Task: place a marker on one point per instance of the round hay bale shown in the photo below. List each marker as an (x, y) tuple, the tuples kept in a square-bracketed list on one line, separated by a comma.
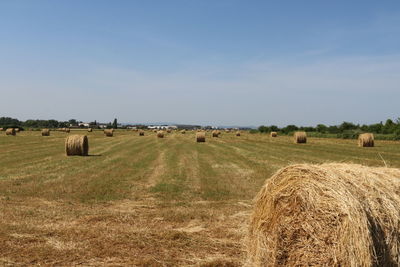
[(200, 137), (168, 130), (300, 137), (274, 134), (237, 133), (1, 129), (17, 130), (90, 130), (155, 131), (327, 215), (160, 134), (67, 130), (45, 132), (141, 133), (109, 132), (366, 140), (215, 134), (183, 131), (10, 131), (77, 145)]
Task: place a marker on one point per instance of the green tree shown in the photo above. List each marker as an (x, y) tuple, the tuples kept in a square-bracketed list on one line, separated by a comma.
[(115, 124)]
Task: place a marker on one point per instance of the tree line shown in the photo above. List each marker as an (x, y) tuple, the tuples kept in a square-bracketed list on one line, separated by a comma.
[(7, 122), (344, 130)]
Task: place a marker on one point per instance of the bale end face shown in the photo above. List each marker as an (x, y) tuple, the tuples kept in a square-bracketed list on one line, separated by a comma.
[(77, 145), (215, 134), (160, 134), (109, 132), (200, 137), (237, 133), (274, 134), (10, 131), (141, 133)]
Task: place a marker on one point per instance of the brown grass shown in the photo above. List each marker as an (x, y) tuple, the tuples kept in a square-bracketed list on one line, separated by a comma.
[(77, 145), (327, 215), (366, 140), (300, 137)]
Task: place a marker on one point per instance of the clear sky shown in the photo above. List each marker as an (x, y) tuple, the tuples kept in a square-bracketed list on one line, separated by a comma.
[(218, 62)]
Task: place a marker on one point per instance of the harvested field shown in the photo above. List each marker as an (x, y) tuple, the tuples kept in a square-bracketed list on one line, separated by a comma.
[(138, 200)]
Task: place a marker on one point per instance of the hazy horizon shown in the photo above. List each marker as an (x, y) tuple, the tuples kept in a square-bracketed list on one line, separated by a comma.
[(201, 62)]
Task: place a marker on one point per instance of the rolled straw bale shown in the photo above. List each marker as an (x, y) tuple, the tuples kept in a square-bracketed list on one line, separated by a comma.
[(168, 130), (200, 137), (141, 133), (300, 137), (160, 134), (90, 130), (183, 131), (274, 134), (1, 129), (109, 132), (215, 134), (67, 130), (237, 133), (327, 215), (366, 140), (45, 132), (77, 145), (10, 131), (17, 130), (155, 131)]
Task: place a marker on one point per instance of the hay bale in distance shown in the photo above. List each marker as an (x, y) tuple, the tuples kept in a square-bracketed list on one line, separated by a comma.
[(109, 132), (45, 132), (77, 145), (168, 130), (90, 130), (17, 130), (300, 137), (10, 131), (1, 129), (366, 140), (215, 133), (237, 133), (200, 137), (327, 215), (183, 131), (67, 130), (160, 134), (141, 133), (274, 134)]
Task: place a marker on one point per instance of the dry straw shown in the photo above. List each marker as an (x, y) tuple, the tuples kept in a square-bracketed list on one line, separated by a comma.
[(45, 132), (160, 134), (16, 130), (67, 130), (183, 132), (366, 140), (77, 145), (300, 137), (141, 133), (237, 133), (274, 134), (200, 137), (10, 131), (90, 130), (168, 130), (215, 133), (109, 132), (327, 215), (1, 129)]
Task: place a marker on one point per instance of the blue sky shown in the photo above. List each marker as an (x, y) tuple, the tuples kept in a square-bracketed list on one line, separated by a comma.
[(196, 61)]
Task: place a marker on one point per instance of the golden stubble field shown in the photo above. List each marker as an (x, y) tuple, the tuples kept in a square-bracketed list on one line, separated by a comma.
[(144, 201)]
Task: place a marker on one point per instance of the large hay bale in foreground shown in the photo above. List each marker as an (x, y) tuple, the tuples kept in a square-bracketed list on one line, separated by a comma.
[(141, 133), (45, 132), (109, 132), (77, 145), (327, 215), (160, 134), (10, 131), (366, 140), (274, 134), (300, 137), (200, 137)]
